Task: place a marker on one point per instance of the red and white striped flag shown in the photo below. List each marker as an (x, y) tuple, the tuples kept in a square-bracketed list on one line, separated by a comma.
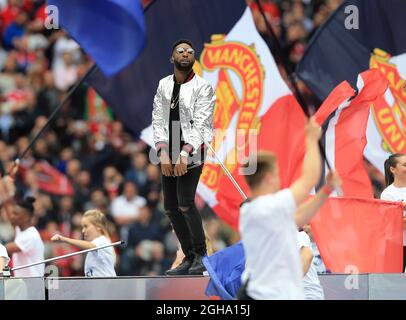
[(344, 120)]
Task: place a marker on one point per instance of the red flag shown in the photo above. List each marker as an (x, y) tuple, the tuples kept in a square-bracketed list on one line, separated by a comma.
[(51, 180), (345, 136), (282, 131), (360, 235), (344, 120)]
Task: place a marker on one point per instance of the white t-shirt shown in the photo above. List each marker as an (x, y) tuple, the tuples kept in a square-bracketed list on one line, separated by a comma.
[(393, 193), (4, 255), (269, 237), (312, 287), (32, 250), (100, 263), (121, 207)]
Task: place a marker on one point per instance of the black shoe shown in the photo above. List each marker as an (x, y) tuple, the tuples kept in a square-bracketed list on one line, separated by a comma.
[(197, 267), (182, 269)]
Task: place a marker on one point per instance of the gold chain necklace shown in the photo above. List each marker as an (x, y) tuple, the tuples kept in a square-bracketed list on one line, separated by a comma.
[(175, 101)]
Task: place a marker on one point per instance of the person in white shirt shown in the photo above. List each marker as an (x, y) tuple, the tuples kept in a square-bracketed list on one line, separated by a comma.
[(312, 287), (268, 223), (234, 259), (125, 208), (395, 179), (4, 259), (98, 263), (27, 246)]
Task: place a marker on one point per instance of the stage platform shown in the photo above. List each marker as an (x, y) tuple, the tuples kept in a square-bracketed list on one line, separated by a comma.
[(336, 287)]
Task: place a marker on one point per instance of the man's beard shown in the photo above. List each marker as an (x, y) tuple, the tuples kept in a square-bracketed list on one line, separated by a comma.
[(184, 68)]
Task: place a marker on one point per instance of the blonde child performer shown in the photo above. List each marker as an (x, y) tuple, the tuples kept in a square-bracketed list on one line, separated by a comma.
[(98, 263)]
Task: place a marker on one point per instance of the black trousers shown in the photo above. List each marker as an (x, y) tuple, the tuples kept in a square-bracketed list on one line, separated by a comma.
[(179, 192)]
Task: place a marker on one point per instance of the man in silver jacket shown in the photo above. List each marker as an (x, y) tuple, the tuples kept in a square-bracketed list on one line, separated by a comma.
[(182, 120)]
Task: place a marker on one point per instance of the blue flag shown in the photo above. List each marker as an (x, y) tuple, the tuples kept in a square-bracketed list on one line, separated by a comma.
[(112, 32), (342, 47), (225, 268), (130, 93)]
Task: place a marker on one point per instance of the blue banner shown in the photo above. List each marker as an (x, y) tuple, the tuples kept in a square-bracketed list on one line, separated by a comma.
[(112, 32), (225, 268)]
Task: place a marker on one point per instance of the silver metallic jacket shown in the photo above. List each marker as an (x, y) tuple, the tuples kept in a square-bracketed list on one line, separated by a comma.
[(196, 102)]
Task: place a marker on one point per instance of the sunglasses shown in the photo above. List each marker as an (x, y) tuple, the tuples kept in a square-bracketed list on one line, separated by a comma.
[(181, 50)]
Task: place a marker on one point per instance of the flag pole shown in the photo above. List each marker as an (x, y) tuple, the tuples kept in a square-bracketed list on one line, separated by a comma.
[(291, 77), (227, 172), (68, 255), (56, 110)]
